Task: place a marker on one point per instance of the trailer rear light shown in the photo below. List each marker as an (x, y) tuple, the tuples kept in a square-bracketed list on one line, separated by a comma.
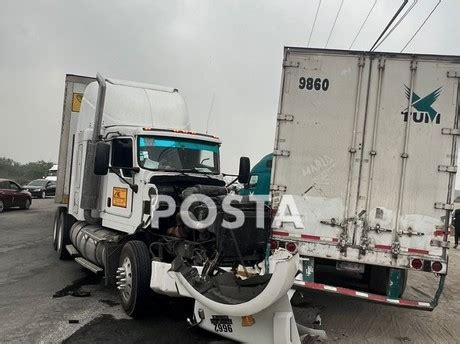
[(416, 264), (291, 247), (274, 244), (436, 266)]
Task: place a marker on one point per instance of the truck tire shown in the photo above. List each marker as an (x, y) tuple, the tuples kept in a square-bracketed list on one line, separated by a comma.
[(378, 280), (63, 238), (133, 278), (57, 215), (403, 282)]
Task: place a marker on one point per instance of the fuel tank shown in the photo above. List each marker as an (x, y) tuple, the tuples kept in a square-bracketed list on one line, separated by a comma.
[(91, 241)]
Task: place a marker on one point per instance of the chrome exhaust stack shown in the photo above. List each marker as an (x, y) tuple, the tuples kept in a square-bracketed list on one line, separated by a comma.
[(91, 182)]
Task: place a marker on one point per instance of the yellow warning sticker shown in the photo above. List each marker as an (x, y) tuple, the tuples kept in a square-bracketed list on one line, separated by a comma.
[(76, 102), (120, 197)]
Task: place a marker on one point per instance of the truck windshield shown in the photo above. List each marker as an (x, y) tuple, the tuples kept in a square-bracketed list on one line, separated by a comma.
[(177, 154)]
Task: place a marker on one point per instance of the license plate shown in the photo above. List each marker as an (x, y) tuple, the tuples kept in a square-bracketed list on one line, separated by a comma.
[(222, 323), (347, 266)]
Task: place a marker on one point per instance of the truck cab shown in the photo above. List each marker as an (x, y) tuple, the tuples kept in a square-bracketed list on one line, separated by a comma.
[(128, 154), (259, 181), (139, 157), (147, 131)]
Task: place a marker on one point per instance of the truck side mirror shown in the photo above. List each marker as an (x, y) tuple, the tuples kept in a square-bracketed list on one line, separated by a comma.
[(101, 161), (245, 170)]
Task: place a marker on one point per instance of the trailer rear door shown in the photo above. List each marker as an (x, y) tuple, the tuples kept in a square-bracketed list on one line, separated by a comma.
[(366, 174)]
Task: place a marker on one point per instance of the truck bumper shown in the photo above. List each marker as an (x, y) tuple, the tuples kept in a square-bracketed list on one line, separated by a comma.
[(266, 318)]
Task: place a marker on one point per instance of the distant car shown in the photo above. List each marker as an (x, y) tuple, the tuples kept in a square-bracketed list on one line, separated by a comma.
[(12, 195), (41, 188)]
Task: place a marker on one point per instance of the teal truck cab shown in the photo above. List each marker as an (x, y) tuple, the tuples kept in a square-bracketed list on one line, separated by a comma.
[(259, 182)]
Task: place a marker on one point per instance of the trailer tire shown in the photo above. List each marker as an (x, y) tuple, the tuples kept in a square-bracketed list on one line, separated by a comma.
[(65, 222), (134, 291), (379, 279), (403, 282)]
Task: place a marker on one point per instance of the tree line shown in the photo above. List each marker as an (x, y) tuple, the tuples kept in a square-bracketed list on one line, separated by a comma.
[(23, 173)]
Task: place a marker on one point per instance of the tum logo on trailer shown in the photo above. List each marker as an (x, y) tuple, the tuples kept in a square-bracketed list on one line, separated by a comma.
[(425, 112)]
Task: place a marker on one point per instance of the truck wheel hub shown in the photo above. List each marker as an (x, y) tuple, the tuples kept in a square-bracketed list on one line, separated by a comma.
[(125, 279)]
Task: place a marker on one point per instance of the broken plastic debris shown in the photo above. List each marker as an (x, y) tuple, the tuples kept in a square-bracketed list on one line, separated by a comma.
[(307, 333), (317, 320)]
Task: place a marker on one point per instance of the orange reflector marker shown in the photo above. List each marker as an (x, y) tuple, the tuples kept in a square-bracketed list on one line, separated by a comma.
[(248, 320), (184, 131)]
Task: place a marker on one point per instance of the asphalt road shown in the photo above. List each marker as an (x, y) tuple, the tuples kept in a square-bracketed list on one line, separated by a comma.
[(36, 294), (39, 295)]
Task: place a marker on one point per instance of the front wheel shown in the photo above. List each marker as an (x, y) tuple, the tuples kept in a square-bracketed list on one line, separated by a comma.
[(2, 206), (133, 278), (43, 195)]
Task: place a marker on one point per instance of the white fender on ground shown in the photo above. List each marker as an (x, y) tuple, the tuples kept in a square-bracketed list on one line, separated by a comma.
[(284, 271)]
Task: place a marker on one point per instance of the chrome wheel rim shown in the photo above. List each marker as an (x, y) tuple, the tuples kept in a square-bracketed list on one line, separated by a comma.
[(1, 206), (27, 204), (43, 194), (125, 279)]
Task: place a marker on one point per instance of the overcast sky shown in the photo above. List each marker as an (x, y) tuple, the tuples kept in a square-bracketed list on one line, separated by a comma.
[(231, 49)]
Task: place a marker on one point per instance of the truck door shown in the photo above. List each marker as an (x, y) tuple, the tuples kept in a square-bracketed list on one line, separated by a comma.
[(365, 144), (118, 193), (318, 140), (408, 163)]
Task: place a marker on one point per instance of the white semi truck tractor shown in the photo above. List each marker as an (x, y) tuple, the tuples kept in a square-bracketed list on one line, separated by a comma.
[(128, 163)]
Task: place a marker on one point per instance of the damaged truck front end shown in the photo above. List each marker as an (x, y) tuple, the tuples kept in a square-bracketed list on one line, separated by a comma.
[(143, 202)]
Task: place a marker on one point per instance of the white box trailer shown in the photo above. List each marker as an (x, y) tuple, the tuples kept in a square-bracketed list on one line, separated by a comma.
[(365, 154), (75, 86)]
